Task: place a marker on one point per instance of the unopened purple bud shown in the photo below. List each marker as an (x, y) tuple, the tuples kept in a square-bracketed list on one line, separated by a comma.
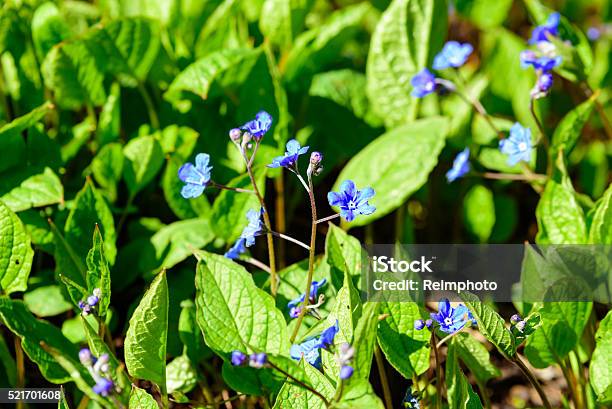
[(316, 158), (92, 300), (85, 356), (593, 33), (294, 312), (103, 387), (521, 325), (419, 325), (104, 358), (315, 167), (238, 358), (258, 360), (82, 305), (346, 372), (235, 134), (515, 319), (97, 292), (428, 323)]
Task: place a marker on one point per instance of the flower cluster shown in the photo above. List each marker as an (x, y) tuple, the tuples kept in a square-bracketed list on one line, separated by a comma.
[(518, 323), (256, 360), (310, 349), (545, 58), (518, 145), (289, 160), (247, 238), (99, 370), (293, 305), (449, 319), (90, 303), (453, 55)]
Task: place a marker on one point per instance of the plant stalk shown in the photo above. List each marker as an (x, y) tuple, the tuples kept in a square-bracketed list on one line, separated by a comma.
[(149, 104), (380, 364), (532, 379), (302, 384), (438, 370)]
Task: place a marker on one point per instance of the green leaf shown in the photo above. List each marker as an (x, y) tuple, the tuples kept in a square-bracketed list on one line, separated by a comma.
[(364, 341), (98, 273), (347, 310), (600, 231), (107, 168), (228, 217), (561, 330), (295, 396), (560, 217), (320, 47), (475, 356), (75, 291), (570, 127), (7, 363), (208, 76), (460, 393), (15, 252), (181, 376), (36, 191), (89, 209), (479, 212), (281, 20), (32, 332), (484, 14), (600, 370), (396, 164), (233, 313), (343, 253), (109, 120), (46, 301), (490, 324), (139, 398), (190, 333), (146, 338), (177, 241), (63, 404), (358, 395), (406, 348), (144, 158), (402, 44), (48, 28)]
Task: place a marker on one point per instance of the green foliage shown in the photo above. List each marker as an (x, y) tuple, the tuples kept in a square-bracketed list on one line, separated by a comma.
[(601, 378), (15, 252)]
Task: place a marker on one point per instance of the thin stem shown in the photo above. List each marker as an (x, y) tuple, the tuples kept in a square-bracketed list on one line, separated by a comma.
[(311, 258), (538, 123), (483, 391), (302, 384), (529, 177), (589, 92), (124, 213), (332, 217), (438, 370), (266, 218), (291, 239), (380, 364), (256, 263), (235, 189), (252, 158), (149, 104), (279, 208), (20, 367), (532, 379), (303, 181)]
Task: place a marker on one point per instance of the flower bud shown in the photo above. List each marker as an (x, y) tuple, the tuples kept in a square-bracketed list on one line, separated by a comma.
[(515, 319), (235, 134), (97, 292), (346, 372), (238, 358), (521, 325), (419, 325), (315, 167), (85, 356), (92, 300), (258, 360), (428, 323)]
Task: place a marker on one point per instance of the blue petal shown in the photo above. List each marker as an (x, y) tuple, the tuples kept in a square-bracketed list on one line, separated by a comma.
[(201, 161), (191, 190), (366, 209), (348, 188), (444, 307), (189, 174), (347, 215), (293, 146), (335, 199)]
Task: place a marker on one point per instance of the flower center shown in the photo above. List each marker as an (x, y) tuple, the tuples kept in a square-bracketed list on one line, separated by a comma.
[(352, 205), (448, 321), (522, 146)]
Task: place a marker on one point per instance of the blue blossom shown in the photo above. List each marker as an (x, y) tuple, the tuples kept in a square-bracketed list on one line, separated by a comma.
[(593, 33), (540, 63), (258, 126), (258, 360), (461, 166), (309, 350), (236, 250), (518, 145), (326, 340), (238, 358), (346, 372), (252, 229), (195, 177), (92, 300), (352, 202), (542, 86), (289, 160), (450, 319), (545, 31), (294, 310), (453, 54), (423, 83), (410, 401), (103, 386)]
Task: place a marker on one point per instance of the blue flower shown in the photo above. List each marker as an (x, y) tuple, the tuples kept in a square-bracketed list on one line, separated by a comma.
[(238, 358), (593, 33), (346, 372), (309, 350), (546, 30), (352, 202), (518, 145), (92, 300), (326, 340), (450, 319), (294, 150), (258, 360), (294, 310), (461, 166), (542, 63), (103, 386), (236, 250), (453, 54), (195, 177), (252, 229), (258, 126), (423, 83), (410, 401)]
